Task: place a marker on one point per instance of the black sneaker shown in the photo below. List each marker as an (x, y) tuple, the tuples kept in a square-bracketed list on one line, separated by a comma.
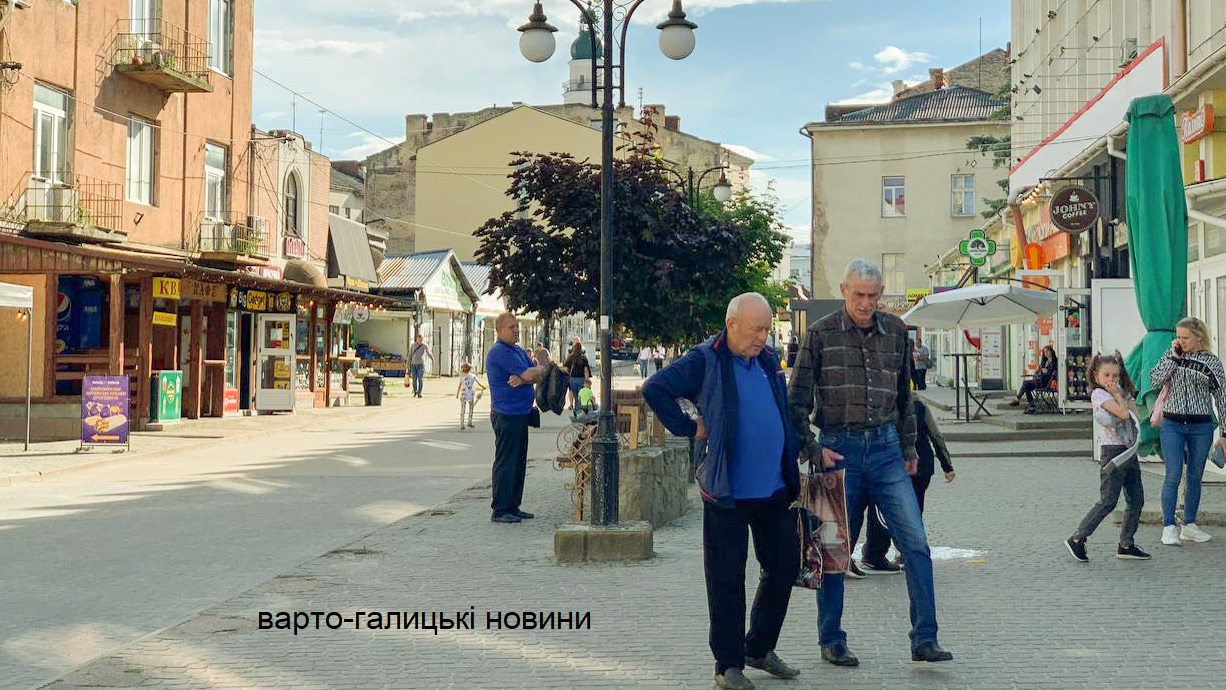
[(1077, 549), (1132, 553), (853, 570), (882, 568), (506, 518)]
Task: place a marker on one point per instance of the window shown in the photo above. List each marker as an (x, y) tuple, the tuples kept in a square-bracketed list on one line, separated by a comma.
[(894, 275), (893, 197), (221, 35), (291, 205), (215, 167), (50, 133), (145, 23), (140, 160), (334, 209), (962, 195)]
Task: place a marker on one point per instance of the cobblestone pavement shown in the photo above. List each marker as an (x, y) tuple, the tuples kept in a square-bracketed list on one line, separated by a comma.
[(1017, 612)]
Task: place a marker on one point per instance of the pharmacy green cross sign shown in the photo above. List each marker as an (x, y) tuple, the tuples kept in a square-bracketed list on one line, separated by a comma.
[(977, 247)]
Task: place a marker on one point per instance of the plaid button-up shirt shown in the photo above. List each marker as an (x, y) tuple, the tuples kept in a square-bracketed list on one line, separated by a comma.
[(845, 379)]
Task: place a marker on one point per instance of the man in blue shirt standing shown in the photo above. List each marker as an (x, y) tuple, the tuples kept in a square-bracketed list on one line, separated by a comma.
[(511, 375), (748, 477)]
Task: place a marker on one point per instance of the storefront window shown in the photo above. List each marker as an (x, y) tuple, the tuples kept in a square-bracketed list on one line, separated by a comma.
[(232, 349), (304, 331)]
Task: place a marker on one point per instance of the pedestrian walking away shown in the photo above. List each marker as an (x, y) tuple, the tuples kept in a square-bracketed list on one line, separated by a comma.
[(930, 447), (579, 369), (1197, 384), (748, 478), (1112, 396), (657, 356), (853, 382), (923, 360), (466, 392), (510, 374), (644, 360), (418, 354)]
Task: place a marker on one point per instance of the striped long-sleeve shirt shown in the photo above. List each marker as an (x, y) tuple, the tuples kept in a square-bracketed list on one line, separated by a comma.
[(845, 378), (1198, 383)]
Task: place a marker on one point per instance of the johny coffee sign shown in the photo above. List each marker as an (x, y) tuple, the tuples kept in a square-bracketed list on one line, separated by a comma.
[(1074, 209)]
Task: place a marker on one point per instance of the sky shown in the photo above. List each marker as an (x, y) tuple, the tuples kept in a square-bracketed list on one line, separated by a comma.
[(761, 70)]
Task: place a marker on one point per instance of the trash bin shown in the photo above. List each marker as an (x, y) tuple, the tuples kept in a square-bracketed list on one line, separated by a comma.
[(372, 389)]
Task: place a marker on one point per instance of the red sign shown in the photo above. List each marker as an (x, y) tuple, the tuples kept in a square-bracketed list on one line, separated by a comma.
[(1056, 246), (1195, 124), (272, 272), (294, 248), (230, 400)]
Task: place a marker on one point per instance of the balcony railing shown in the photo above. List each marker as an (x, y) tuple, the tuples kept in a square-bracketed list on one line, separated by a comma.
[(234, 239), (69, 205), (161, 54)]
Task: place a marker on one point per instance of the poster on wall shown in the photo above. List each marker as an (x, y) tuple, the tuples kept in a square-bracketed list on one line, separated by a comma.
[(991, 364), (104, 411)]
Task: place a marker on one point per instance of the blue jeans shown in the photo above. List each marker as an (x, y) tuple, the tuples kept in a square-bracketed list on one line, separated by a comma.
[(874, 463), (642, 368), (418, 372), (575, 385), (1183, 443)]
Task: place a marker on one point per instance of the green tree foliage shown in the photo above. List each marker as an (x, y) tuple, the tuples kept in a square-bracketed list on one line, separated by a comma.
[(674, 267)]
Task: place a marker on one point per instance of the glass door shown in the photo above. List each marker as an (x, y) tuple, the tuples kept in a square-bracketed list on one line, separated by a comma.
[(275, 362)]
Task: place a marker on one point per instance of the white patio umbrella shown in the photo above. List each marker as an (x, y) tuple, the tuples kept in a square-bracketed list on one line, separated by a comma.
[(981, 305), (21, 298)]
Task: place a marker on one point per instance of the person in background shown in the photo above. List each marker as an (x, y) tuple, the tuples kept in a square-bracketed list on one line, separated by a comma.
[(579, 368), (1197, 386), (657, 356), (923, 360), (418, 354), (1042, 378), (466, 391), (644, 360), (587, 398)]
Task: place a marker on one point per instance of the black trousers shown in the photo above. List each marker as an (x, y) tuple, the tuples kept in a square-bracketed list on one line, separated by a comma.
[(877, 543), (920, 377), (725, 548), (510, 461)]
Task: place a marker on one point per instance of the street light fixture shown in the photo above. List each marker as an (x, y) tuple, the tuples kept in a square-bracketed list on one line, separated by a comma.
[(692, 181), (537, 45)]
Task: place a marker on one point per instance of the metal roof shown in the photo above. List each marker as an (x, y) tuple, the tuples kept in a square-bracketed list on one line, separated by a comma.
[(478, 275), (410, 272), (952, 104), (349, 249), (340, 180)]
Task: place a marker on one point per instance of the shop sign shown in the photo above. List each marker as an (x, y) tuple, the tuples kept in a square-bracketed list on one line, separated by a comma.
[(259, 300), (162, 318), (1056, 246), (270, 272), (356, 283), (104, 410), (284, 302), (977, 247), (205, 292), (294, 247), (1074, 209), (361, 313), (166, 288), (229, 400), (1195, 124), (915, 295), (344, 314)]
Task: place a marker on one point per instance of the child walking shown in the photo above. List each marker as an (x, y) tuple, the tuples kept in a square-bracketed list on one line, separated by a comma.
[(1112, 398), (587, 399), (466, 391)]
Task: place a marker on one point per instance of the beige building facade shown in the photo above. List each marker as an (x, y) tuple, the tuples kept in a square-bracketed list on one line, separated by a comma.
[(895, 183), (452, 172)]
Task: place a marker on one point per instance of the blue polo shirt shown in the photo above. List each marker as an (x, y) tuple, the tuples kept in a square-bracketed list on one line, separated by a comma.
[(757, 459), (502, 361)]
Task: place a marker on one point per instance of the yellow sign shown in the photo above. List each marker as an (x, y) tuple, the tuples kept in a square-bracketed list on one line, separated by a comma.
[(280, 369), (166, 288), (206, 292), (257, 301), (356, 283), (915, 295), (161, 318)]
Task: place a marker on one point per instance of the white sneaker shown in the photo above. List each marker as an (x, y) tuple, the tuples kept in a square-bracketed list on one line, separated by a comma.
[(1191, 532), (1170, 536)]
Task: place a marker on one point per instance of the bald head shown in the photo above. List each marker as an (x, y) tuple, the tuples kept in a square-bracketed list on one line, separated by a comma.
[(748, 322)]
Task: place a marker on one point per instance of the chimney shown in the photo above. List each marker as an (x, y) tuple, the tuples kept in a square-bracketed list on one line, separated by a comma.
[(937, 75), (899, 85), (672, 122)]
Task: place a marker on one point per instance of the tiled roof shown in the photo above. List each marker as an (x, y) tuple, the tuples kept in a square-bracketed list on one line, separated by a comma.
[(478, 275), (340, 180), (953, 104), (410, 272)]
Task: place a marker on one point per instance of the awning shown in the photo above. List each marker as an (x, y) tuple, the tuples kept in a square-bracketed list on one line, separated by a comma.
[(349, 250), (305, 272), (16, 296)]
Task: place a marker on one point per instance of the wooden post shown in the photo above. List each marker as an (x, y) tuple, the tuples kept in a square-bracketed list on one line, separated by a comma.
[(144, 368), (53, 300), (116, 324), (195, 361)]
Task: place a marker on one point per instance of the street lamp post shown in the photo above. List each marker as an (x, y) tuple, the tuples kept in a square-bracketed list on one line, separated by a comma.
[(537, 45), (722, 190)]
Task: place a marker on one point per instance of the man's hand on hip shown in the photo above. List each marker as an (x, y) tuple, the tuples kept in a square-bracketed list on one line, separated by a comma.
[(912, 467), (701, 432)]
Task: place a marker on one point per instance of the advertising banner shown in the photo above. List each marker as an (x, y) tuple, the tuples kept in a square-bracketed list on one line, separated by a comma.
[(104, 410)]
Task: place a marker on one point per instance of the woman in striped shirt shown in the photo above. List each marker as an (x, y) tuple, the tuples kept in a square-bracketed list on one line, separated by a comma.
[(1197, 384)]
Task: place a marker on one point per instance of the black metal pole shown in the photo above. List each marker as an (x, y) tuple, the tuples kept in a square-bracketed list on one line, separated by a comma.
[(693, 189), (604, 446)]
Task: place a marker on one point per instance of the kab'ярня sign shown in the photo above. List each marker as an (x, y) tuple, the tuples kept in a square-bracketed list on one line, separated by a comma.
[(1074, 209)]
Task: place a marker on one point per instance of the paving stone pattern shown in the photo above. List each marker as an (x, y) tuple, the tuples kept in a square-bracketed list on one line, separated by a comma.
[(1021, 614)]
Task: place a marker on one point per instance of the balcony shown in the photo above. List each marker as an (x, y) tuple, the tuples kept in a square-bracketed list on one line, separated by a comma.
[(83, 210), (162, 55), (230, 240)]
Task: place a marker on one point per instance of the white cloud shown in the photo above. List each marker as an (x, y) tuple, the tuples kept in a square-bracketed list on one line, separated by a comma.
[(860, 66), (894, 59), (757, 156), (275, 42), (367, 145), (882, 94)]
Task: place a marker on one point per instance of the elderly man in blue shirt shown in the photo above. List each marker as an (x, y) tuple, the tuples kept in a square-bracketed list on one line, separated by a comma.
[(511, 375), (748, 477)]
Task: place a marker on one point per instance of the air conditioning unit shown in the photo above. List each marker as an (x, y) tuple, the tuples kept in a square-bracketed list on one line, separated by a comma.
[(258, 224), (1128, 51), (21, 4), (62, 205)]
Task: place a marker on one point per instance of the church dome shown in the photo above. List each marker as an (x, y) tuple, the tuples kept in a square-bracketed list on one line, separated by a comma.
[(581, 49)]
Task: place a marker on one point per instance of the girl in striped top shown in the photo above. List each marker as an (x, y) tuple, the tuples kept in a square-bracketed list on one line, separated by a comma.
[(1197, 385)]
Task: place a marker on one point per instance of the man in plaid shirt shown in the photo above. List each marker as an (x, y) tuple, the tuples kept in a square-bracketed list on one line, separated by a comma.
[(852, 381)]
